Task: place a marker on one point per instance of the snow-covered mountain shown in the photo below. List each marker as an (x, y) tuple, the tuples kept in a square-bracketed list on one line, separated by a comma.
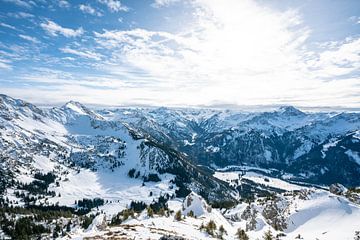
[(287, 139), (72, 140), (191, 173)]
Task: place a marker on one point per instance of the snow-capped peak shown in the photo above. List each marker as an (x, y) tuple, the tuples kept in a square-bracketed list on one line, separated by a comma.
[(76, 108), (290, 110), (11, 108)]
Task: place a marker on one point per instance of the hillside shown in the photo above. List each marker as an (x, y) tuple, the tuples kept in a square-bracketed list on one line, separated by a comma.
[(73, 172)]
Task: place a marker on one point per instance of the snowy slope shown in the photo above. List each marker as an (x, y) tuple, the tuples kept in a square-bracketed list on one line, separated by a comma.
[(91, 157), (91, 154), (315, 214)]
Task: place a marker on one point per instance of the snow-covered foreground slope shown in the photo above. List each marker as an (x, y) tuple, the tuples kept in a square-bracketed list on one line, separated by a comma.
[(324, 216), (316, 214)]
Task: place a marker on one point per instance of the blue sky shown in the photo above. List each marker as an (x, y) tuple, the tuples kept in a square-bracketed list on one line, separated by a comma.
[(182, 53)]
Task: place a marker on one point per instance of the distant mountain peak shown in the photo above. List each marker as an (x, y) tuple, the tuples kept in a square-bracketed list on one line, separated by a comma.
[(76, 107), (290, 110), (12, 101), (15, 106), (79, 108)]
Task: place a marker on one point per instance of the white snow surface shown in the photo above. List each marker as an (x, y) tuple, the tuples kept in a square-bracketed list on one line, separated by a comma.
[(76, 122), (258, 178), (322, 216), (355, 156), (195, 203)]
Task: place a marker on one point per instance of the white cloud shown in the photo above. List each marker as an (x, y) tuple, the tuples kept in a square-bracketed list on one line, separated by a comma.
[(7, 26), (232, 52), (5, 64), (54, 29), (63, 4), (114, 5), (342, 58), (29, 38), (21, 3), (84, 54), (354, 19), (163, 3), (21, 15), (90, 10), (236, 52)]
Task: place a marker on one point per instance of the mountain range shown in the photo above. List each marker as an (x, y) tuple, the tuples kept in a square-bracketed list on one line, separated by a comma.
[(106, 161)]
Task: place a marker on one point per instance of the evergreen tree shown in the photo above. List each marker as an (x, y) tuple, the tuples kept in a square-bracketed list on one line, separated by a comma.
[(161, 212), (150, 212), (55, 235), (210, 227), (241, 234), (268, 235), (222, 231), (191, 213), (178, 216), (68, 226)]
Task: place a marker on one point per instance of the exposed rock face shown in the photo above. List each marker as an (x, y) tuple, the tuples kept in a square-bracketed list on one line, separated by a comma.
[(353, 195), (99, 223), (337, 189), (275, 214), (171, 238), (249, 215)]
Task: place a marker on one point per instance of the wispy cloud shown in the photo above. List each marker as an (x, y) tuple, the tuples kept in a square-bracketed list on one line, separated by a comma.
[(63, 4), (355, 19), (114, 5), (342, 58), (89, 9), (234, 53), (54, 29), (21, 15), (29, 38), (7, 26), (5, 64), (228, 52), (84, 54), (21, 3), (163, 3)]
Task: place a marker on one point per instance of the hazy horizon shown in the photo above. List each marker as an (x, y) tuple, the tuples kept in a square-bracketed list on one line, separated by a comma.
[(219, 107)]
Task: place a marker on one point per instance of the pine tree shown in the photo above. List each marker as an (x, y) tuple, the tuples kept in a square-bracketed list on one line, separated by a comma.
[(241, 234), (68, 226), (210, 227), (161, 212), (191, 213), (178, 216), (357, 235), (150, 212), (268, 235), (222, 231)]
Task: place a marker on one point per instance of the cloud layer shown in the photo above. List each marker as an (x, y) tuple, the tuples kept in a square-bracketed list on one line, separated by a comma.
[(226, 52)]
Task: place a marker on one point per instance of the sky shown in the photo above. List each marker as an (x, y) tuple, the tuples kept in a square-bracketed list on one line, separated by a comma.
[(182, 52)]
